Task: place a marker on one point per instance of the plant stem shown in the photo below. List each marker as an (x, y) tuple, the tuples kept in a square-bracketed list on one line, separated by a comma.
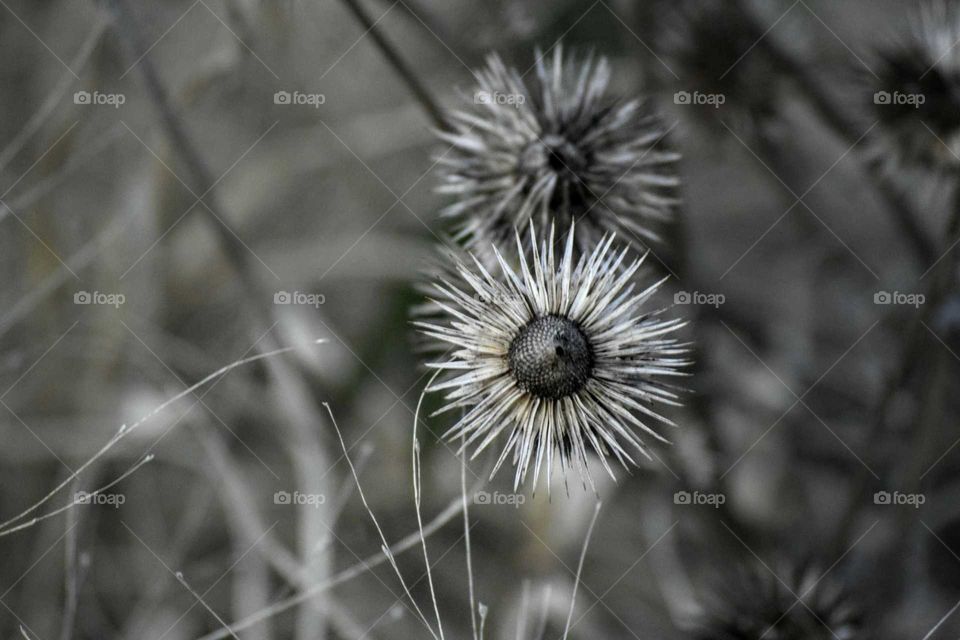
[(290, 384), (932, 393), (835, 117), (417, 88)]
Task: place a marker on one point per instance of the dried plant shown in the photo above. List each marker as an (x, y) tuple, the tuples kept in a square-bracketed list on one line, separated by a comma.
[(913, 93), (557, 357), (788, 601), (551, 349), (558, 150)]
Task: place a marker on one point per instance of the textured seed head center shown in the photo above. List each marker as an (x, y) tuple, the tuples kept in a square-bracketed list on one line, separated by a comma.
[(553, 153), (551, 357)]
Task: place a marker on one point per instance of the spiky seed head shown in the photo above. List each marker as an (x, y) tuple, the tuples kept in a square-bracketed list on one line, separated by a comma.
[(555, 147), (554, 358), (912, 93), (550, 357), (760, 601)]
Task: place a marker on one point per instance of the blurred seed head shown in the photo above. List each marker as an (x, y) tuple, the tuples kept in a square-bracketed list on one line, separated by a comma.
[(761, 602), (709, 48), (557, 149), (915, 95), (556, 358)]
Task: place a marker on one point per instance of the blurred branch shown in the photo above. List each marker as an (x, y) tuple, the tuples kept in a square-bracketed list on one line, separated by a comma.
[(701, 404), (11, 525), (79, 160), (833, 114), (244, 517), (41, 115), (202, 179), (424, 19), (366, 565), (90, 251), (290, 384), (943, 281), (931, 395), (71, 577), (419, 90)]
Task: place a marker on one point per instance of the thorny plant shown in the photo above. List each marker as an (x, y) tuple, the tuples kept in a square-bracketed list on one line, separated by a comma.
[(552, 353)]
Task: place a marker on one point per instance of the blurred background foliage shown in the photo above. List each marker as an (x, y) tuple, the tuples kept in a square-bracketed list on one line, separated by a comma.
[(791, 416)]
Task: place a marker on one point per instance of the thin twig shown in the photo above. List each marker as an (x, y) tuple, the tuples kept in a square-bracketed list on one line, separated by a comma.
[(376, 523), (369, 563), (583, 555), (192, 591), (423, 19), (466, 534), (125, 431), (417, 88), (76, 499), (417, 502)]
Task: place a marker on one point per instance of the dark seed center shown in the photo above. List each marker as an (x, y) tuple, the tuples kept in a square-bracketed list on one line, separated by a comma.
[(551, 357), (554, 153)]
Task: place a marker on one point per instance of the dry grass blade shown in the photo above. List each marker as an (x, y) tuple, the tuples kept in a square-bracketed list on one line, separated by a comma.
[(124, 431)]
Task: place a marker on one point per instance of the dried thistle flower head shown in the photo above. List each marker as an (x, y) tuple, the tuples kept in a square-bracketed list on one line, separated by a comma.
[(705, 43), (556, 358), (915, 95), (559, 149), (757, 602)]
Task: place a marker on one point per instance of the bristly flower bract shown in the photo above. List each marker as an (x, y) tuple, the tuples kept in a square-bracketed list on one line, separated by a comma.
[(556, 149), (554, 358), (758, 601), (912, 94)]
